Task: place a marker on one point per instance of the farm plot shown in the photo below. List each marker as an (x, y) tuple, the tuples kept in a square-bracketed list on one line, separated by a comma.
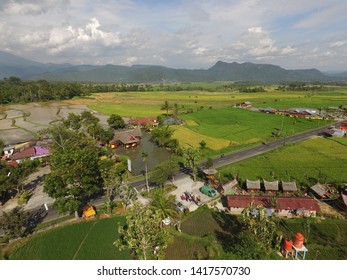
[(229, 129), (91, 240), (321, 159)]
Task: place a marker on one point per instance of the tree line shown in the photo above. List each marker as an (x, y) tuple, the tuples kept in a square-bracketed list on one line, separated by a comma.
[(15, 90)]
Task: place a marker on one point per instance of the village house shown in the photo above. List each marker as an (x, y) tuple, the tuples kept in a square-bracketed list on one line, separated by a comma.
[(128, 138), (141, 122), (334, 132), (269, 110), (30, 153), (245, 104)]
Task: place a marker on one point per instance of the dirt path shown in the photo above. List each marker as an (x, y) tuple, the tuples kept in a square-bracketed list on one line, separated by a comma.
[(329, 211)]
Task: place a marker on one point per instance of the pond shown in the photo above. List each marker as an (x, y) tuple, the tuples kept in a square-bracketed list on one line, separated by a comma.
[(156, 155)]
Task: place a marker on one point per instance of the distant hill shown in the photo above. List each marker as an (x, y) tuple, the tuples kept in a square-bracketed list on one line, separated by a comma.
[(11, 65)]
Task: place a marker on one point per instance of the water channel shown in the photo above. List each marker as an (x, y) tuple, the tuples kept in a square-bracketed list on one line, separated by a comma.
[(156, 154)]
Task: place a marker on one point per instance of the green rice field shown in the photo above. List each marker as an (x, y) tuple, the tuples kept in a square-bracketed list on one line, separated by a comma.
[(230, 129), (144, 104), (323, 159), (92, 240)]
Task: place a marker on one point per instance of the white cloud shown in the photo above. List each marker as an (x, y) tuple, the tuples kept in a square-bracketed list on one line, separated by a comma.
[(337, 44), (191, 34), (31, 7), (258, 43)]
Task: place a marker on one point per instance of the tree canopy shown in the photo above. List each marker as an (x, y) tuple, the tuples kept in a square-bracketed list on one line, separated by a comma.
[(116, 121), (75, 171), (142, 233)]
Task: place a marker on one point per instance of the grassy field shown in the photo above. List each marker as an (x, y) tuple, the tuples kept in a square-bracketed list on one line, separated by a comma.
[(84, 241), (320, 158), (144, 104)]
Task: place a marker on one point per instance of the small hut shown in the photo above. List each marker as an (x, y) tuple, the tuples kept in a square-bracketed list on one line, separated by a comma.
[(271, 187), (210, 176), (289, 187), (89, 211), (253, 186), (319, 190)]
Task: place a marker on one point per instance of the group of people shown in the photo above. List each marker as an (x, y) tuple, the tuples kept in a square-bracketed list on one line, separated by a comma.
[(190, 197)]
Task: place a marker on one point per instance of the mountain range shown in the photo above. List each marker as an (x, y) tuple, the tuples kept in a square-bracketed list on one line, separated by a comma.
[(11, 65)]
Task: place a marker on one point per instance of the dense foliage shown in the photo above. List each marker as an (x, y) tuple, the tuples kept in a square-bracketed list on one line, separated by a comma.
[(14, 90)]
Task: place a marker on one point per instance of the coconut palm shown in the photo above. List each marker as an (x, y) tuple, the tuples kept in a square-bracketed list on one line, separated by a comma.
[(144, 156), (163, 203)]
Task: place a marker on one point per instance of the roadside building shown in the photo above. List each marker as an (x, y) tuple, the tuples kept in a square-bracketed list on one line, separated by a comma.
[(284, 206)]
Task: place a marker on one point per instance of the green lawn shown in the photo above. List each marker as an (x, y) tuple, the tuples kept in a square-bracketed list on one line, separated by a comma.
[(307, 161), (84, 240)]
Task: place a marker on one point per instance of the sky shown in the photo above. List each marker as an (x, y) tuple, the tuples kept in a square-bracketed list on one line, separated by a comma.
[(193, 34)]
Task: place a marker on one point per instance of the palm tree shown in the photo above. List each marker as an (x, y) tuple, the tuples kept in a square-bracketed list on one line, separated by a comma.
[(163, 203), (144, 156), (166, 107), (202, 145)]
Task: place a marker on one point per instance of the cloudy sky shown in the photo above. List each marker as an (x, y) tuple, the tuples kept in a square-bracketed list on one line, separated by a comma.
[(294, 34)]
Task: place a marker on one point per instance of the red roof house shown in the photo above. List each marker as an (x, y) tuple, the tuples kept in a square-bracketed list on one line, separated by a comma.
[(284, 205), (30, 153)]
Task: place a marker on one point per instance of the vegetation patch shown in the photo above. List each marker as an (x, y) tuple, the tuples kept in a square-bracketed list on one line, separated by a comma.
[(63, 243), (190, 138), (322, 159)]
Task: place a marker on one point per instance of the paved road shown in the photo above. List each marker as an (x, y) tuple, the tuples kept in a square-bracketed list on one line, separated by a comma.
[(217, 162)]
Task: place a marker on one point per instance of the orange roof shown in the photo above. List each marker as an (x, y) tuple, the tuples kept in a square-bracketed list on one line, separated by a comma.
[(88, 211)]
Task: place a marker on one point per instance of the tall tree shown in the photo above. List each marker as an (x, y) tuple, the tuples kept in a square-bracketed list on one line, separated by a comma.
[(166, 107), (116, 121), (111, 181), (144, 156), (190, 158), (162, 135), (163, 172), (14, 223), (261, 227), (127, 194), (202, 146), (75, 172), (142, 233), (163, 203)]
